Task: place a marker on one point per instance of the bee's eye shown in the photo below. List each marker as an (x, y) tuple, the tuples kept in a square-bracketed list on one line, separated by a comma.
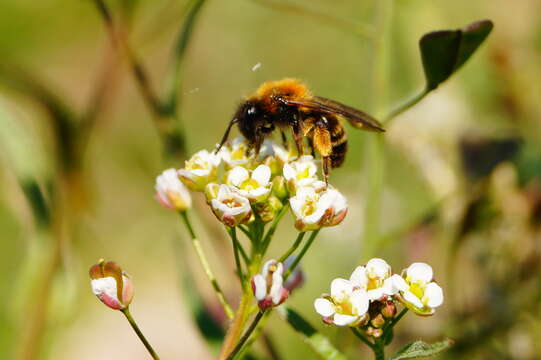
[(252, 110)]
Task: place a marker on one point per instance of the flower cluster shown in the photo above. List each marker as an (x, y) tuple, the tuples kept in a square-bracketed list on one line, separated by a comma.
[(368, 299), (250, 186)]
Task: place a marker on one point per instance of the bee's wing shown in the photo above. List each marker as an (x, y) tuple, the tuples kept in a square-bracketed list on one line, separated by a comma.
[(356, 118)]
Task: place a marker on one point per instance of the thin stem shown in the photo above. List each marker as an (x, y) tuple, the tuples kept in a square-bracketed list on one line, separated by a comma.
[(393, 322), (246, 335), (268, 237), (233, 233), (206, 267), (399, 109), (349, 26), (363, 338), (235, 330), (135, 328), (379, 349), (301, 254), (293, 248)]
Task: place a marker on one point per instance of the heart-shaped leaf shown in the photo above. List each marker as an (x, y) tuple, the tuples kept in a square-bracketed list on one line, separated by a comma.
[(420, 349), (444, 52)]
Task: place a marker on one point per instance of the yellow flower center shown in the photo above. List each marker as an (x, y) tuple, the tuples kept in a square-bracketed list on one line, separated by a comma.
[(249, 184), (231, 203)]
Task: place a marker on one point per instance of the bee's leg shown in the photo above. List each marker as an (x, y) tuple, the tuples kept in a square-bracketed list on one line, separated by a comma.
[(326, 168), (297, 135), (284, 139), (226, 135), (311, 145)]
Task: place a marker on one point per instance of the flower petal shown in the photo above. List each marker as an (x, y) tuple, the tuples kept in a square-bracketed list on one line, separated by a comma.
[(341, 288), (420, 272), (358, 277), (237, 175), (324, 307), (433, 295), (260, 287), (360, 302), (378, 268), (343, 320), (262, 174), (412, 299)]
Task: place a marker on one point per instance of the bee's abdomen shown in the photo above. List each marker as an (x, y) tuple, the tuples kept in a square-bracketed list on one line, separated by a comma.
[(339, 146)]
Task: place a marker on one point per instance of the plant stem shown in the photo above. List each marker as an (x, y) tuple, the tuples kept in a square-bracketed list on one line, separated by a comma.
[(206, 267), (393, 322), (405, 105), (293, 248), (233, 233), (246, 335), (135, 328), (301, 254), (363, 338), (234, 331), (379, 350), (268, 237)]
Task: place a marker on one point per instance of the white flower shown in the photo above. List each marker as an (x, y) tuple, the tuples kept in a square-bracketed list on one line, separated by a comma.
[(375, 277), (417, 289), (275, 156), (104, 285), (235, 153), (346, 305), (230, 207), (267, 286), (254, 185), (300, 173), (314, 209), (171, 192), (200, 170)]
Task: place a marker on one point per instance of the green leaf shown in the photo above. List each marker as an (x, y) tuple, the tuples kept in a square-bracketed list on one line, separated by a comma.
[(318, 342), (444, 52), (420, 349)]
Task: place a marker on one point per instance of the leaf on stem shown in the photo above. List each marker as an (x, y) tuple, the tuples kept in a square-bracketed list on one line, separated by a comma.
[(317, 341), (420, 349), (444, 52)]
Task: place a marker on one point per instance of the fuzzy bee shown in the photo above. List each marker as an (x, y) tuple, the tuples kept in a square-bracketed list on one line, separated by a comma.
[(288, 104)]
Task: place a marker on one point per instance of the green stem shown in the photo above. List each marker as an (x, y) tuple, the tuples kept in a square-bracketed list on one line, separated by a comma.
[(293, 248), (268, 237), (135, 328), (246, 335), (206, 267), (405, 105), (393, 322), (235, 330), (301, 254), (233, 233), (363, 338), (379, 350)]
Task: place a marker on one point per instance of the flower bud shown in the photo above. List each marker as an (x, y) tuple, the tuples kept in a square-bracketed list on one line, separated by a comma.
[(388, 309), (112, 286), (377, 321), (268, 209), (279, 188), (267, 286), (377, 332), (171, 192)]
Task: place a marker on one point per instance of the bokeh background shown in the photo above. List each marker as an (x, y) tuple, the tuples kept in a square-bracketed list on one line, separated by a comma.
[(461, 180)]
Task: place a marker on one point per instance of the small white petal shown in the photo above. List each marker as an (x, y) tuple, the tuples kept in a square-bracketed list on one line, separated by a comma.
[(360, 301), (343, 320), (237, 175), (434, 295), (378, 268), (262, 174), (260, 286), (412, 299), (358, 277), (341, 288), (392, 285), (105, 285), (324, 307), (420, 272), (375, 294)]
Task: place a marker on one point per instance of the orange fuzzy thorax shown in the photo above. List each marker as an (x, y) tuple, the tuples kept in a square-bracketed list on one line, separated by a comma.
[(289, 88)]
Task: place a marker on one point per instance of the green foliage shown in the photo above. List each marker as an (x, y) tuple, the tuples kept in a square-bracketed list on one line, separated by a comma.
[(420, 349), (444, 52)]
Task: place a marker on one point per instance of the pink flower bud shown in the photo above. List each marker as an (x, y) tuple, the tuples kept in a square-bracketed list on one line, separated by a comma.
[(112, 286), (267, 286)]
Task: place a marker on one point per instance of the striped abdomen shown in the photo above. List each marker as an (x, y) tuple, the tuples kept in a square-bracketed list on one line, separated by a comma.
[(339, 142)]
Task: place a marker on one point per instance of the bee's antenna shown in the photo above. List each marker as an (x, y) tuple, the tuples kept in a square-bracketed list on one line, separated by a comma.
[(226, 135)]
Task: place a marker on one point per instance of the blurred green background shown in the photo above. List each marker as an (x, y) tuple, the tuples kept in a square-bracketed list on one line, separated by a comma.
[(462, 185)]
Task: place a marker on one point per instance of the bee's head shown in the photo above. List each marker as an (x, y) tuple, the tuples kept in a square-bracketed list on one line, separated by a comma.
[(254, 122)]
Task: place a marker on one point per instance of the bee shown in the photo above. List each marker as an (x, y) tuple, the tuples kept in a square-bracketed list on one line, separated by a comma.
[(289, 105)]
